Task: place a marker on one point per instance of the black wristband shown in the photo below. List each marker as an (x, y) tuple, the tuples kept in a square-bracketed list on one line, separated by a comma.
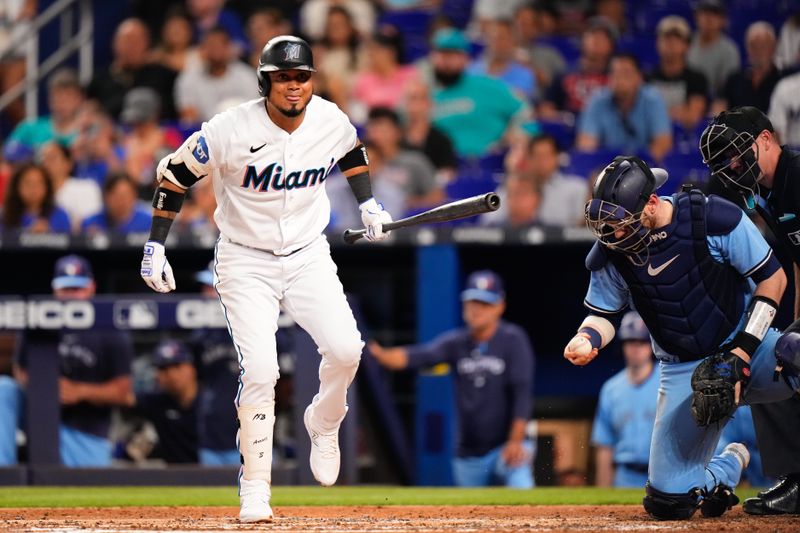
[(168, 200), (362, 188), (748, 343), (159, 229)]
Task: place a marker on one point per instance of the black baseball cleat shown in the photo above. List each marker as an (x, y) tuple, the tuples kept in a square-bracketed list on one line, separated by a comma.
[(718, 501), (782, 498)]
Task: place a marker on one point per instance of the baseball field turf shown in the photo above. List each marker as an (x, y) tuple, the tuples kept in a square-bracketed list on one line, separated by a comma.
[(303, 496)]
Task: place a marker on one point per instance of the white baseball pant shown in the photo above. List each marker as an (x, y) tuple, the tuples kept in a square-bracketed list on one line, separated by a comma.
[(252, 286)]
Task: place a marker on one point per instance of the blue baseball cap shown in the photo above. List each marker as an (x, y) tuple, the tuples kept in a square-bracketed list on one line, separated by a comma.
[(633, 328), (72, 272), (484, 286), (170, 352), (206, 277)]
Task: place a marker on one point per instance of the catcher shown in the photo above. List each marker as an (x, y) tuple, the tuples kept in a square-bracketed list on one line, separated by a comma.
[(707, 285)]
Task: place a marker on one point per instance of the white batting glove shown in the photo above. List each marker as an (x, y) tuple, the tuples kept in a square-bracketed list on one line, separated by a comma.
[(374, 217), (155, 270)]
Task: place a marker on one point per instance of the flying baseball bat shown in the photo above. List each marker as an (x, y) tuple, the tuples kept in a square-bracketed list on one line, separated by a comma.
[(468, 207)]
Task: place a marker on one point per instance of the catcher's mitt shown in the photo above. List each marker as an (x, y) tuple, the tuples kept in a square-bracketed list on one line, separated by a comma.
[(717, 384)]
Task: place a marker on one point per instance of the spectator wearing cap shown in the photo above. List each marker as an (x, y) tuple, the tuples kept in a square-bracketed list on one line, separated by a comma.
[(492, 362), (476, 112), (146, 142), (628, 115), (568, 94), (131, 67), (64, 97), (172, 406), (498, 61), (712, 52), (29, 205), (95, 373), (626, 411), (384, 80), (754, 84), (122, 213), (224, 81), (79, 198), (684, 90)]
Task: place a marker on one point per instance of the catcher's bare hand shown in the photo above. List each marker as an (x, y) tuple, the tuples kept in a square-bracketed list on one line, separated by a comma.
[(579, 350)]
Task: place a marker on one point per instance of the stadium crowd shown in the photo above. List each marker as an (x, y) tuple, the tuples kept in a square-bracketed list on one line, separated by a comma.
[(452, 97)]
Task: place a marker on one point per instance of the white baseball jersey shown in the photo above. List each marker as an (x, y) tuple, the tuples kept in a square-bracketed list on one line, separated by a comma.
[(270, 184)]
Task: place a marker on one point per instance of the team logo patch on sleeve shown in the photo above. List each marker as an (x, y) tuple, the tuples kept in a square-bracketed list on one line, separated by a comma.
[(201, 150)]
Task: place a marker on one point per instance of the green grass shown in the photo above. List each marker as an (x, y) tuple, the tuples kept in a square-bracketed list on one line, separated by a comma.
[(292, 496)]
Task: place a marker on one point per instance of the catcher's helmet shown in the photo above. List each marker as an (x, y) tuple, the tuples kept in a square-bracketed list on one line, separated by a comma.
[(727, 148), (633, 328), (618, 197), (284, 52)]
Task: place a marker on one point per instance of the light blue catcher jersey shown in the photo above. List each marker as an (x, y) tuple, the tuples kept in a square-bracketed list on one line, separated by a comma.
[(744, 249)]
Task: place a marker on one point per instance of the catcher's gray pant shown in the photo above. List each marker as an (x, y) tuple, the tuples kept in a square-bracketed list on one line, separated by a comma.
[(681, 451)]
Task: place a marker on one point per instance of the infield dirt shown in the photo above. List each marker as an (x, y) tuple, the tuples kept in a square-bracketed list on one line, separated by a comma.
[(382, 519)]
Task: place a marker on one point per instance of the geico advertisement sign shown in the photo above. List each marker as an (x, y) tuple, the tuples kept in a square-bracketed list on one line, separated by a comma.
[(47, 314), (193, 314)]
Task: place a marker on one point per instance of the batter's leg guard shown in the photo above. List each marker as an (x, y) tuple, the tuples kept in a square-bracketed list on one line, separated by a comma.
[(667, 506), (256, 425)]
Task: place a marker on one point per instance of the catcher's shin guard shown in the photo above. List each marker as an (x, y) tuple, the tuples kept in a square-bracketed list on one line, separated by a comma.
[(667, 506)]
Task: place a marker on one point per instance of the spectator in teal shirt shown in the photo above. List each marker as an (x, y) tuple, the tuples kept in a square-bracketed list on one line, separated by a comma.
[(65, 97), (475, 111), (628, 115)]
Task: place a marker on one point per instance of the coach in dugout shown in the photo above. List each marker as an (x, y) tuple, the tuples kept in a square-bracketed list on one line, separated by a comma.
[(493, 362), (95, 373)]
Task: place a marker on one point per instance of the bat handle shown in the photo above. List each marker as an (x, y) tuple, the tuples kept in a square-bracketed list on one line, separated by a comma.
[(350, 236)]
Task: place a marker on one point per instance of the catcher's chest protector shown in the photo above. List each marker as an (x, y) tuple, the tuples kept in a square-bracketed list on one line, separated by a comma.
[(690, 302)]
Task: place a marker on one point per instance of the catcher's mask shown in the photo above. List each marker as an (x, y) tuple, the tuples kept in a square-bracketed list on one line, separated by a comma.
[(619, 195), (284, 52), (728, 148)]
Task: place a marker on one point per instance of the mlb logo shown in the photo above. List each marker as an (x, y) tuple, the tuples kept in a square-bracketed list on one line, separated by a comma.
[(794, 237), (135, 314)]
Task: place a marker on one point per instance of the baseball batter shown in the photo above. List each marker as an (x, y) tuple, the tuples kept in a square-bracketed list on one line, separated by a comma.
[(269, 159)]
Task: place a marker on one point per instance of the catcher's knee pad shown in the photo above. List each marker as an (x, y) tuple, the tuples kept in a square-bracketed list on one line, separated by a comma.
[(669, 506)]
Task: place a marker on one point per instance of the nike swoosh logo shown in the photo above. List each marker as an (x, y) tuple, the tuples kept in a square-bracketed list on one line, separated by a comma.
[(656, 271), (254, 150)]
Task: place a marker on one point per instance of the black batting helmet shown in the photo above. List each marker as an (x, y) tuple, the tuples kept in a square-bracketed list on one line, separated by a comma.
[(727, 148), (284, 52), (618, 197)]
